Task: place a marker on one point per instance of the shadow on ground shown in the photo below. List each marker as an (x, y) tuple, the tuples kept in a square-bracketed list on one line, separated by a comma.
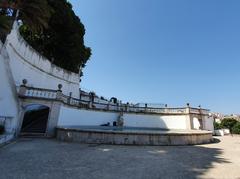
[(44, 158), (215, 140)]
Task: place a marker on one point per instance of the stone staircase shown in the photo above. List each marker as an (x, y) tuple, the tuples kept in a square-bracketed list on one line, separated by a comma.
[(35, 123)]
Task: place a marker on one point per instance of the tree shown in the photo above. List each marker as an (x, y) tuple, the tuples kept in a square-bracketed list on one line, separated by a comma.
[(63, 41), (236, 128), (52, 28), (34, 13), (5, 26), (228, 123)]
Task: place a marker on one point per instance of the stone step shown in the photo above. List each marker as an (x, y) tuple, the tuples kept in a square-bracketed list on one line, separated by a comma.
[(32, 135)]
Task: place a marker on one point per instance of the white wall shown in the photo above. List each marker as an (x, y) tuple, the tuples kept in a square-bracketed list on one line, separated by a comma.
[(196, 123), (146, 120), (28, 64), (8, 96), (71, 117), (208, 123)]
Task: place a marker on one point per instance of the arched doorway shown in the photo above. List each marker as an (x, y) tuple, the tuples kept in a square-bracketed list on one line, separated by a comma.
[(35, 119)]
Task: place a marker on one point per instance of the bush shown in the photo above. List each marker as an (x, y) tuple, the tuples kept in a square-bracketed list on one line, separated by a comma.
[(2, 129), (217, 125), (236, 128), (228, 123)]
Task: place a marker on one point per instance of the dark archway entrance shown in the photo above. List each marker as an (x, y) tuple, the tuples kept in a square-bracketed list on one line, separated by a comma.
[(35, 119)]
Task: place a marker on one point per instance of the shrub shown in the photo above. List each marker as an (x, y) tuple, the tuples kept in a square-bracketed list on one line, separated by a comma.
[(2, 129), (228, 123), (217, 125), (236, 128)]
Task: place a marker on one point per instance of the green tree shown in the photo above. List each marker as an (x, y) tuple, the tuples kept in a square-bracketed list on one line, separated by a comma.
[(236, 128), (51, 27), (228, 123), (5, 26), (217, 125), (34, 13), (63, 41)]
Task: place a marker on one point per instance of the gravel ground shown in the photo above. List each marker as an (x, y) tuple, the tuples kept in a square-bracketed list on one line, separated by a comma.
[(48, 158)]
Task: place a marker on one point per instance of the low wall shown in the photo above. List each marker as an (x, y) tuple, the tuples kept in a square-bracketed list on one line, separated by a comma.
[(26, 63), (133, 138), (76, 117)]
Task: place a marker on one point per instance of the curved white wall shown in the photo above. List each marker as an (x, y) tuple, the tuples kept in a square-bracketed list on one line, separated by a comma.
[(158, 121), (28, 64), (77, 117), (9, 106)]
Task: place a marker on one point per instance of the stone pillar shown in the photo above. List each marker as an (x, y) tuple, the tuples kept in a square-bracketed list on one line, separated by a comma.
[(54, 113), (90, 104), (53, 118), (69, 98), (166, 108), (146, 106), (23, 88), (91, 99), (200, 119), (59, 93), (189, 120), (127, 107)]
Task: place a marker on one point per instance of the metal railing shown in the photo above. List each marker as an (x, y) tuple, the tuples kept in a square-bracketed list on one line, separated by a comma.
[(86, 101)]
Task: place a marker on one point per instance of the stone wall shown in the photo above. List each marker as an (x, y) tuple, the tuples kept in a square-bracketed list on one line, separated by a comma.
[(128, 137)]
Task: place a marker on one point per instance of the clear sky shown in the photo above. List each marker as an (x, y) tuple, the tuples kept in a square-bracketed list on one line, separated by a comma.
[(164, 51)]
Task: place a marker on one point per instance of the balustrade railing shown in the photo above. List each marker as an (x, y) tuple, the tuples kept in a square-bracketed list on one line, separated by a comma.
[(205, 111), (194, 110), (37, 92), (87, 102)]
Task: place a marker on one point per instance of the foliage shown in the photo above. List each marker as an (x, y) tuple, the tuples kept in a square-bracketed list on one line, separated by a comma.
[(34, 13), (62, 42), (53, 29), (217, 125), (2, 129), (228, 123), (5, 26), (236, 128)]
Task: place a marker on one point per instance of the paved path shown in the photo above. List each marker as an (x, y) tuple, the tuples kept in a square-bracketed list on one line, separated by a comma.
[(45, 158)]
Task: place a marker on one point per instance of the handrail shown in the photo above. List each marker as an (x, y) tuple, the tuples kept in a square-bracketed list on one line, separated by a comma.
[(89, 103)]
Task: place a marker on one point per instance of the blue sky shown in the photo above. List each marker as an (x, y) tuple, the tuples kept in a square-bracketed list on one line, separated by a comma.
[(164, 51)]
